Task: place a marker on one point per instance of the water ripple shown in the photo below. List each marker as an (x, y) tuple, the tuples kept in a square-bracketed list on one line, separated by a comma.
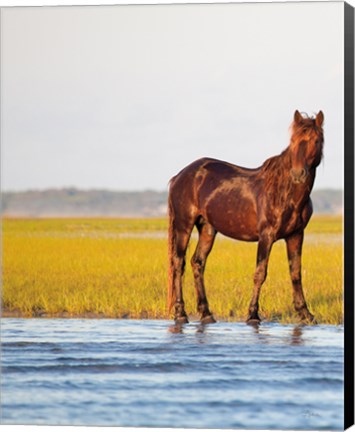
[(140, 373)]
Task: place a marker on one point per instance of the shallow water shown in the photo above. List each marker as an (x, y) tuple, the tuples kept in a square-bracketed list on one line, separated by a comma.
[(150, 373)]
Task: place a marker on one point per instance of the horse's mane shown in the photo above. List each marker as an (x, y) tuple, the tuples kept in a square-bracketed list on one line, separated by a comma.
[(275, 164), (274, 172)]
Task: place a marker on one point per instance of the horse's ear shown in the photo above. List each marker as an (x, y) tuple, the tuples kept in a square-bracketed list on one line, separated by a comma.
[(297, 117), (320, 119)]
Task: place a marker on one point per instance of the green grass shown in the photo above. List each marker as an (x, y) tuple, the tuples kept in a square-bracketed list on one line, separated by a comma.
[(118, 268)]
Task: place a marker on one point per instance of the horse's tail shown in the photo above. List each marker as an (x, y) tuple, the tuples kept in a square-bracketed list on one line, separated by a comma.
[(171, 251)]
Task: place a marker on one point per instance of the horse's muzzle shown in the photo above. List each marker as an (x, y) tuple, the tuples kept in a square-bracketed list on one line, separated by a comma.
[(299, 175)]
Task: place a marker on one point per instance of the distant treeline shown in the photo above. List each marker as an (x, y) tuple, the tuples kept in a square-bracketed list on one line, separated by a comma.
[(74, 202)]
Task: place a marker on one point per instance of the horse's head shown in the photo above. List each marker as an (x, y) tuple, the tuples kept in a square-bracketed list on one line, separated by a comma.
[(306, 145)]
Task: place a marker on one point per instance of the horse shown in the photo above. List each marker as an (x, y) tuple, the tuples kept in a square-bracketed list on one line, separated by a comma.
[(263, 205)]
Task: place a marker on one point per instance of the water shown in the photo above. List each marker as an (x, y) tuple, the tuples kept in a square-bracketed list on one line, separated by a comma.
[(150, 373)]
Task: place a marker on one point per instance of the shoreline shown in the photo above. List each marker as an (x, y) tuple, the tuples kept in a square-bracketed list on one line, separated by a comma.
[(193, 318)]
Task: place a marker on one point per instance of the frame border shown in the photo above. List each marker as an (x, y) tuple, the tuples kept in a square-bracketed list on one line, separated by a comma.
[(348, 215)]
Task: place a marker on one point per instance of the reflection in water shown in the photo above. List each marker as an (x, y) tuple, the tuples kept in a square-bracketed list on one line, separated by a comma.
[(201, 329), (263, 334), (261, 331), (176, 328), (254, 323), (179, 328), (296, 337)]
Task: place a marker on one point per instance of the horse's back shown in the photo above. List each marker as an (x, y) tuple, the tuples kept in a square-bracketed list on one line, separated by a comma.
[(215, 168), (220, 192)]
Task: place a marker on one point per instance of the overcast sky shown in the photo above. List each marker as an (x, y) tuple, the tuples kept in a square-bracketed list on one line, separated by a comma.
[(123, 97)]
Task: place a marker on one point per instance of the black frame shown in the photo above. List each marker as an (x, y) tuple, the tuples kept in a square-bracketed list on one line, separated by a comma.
[(348, 215)]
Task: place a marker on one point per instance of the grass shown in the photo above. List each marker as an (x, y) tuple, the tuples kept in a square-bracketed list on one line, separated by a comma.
[(118, 268)]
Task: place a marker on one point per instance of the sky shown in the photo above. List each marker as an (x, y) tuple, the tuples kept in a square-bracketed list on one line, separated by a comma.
[(123, 97)]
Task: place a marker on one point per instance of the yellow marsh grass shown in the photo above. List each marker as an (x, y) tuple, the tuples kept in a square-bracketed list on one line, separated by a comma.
[(118, 268)]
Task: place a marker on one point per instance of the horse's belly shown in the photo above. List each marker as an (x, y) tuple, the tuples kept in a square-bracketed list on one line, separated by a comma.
[(233, 218)]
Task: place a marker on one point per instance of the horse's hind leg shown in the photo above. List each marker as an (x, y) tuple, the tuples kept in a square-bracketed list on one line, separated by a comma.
[(264, 249), (181, 237), (207, 235)]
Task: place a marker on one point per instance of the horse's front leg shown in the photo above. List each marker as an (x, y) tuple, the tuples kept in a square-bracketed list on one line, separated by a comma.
[(294, 253), (264, 248)]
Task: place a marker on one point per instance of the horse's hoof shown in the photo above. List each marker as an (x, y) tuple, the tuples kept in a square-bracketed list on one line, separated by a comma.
[(253, 320), (309, 320), (181, 320), (306, 317), (209, 319)]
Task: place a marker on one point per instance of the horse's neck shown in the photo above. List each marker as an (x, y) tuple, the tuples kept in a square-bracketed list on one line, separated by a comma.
[(278, 182)]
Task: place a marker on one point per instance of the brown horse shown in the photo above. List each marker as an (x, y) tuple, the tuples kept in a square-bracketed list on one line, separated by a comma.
[(264, 204)]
